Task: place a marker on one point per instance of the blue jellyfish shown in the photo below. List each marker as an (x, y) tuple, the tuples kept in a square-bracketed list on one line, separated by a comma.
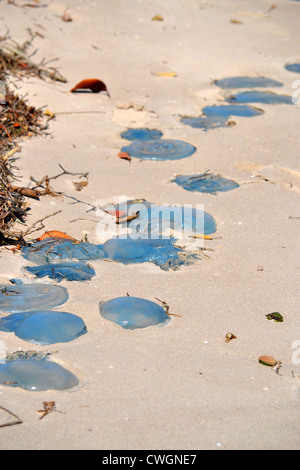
[(133, 312)]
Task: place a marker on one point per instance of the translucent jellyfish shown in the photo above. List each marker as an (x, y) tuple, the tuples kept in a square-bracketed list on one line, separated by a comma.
[(205, 123), (293, 67), (44, 327), (206, 183), (155, 219), (159, 149), (247, 82), (133, 312), (36, 375), (141, 134), (162, 253), (70, 271), (28, 297), (60, 249), (225, 111), (254, 96)]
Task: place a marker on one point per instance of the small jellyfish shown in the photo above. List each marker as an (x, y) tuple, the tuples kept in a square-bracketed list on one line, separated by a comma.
[(159, 149), (59, 271), (205, 123), (293, 67), (28, 297), (133, 312), (44, 327), (247, 82), (141, 134), (266, 97), (36, 375), (205, 183), (225, 111)]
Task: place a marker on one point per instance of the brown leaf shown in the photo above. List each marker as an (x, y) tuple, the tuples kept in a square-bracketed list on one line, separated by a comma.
[(124, 156), (95, 85)]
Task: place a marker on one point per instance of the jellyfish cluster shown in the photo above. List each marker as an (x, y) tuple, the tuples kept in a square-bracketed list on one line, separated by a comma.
[(145, 233), (239, 101)]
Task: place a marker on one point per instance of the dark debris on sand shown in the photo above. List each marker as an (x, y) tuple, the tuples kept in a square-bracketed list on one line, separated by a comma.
[(17, 120)]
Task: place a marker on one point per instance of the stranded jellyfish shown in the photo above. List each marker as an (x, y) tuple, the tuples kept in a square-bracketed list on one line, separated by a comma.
[(159, 149), (44, 327), (266, 97), (141, 134), (59, 271), (247, 82), (163, 253), (133, 312), (205, 123), (153, 220), (293, 67), (59, 249), (205, 183), (28, 297), (36, 375), (225, 111)]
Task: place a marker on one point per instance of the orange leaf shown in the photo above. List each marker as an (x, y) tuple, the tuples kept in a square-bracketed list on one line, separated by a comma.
[(117, 214), (95, 85), (124, 156), (55, 234)]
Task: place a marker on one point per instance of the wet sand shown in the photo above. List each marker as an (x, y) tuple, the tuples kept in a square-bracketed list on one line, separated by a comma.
[(181, 386)]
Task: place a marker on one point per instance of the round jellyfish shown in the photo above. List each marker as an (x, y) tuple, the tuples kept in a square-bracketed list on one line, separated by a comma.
[(266, 97), (205, 183), (28, 297), (133, 312), (159, 149), (293, 67), (247, 82), (141, 134), (44, 327), (36, 375), (242, 110)]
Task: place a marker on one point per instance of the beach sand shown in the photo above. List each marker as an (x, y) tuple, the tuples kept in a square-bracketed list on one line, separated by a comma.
[(180, 387)]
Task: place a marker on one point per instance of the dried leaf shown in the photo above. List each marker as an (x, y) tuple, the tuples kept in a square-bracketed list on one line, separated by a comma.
[(93, 84), (166, 74), (49, 114), (124, 156), (116, 214), (54, 234), (79, 186), (157, 18), (229, 337)]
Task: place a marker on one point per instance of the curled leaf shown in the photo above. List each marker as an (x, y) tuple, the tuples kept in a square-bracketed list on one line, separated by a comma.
[(93, 84), (229, 337), (54, 234), (124, 156)]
